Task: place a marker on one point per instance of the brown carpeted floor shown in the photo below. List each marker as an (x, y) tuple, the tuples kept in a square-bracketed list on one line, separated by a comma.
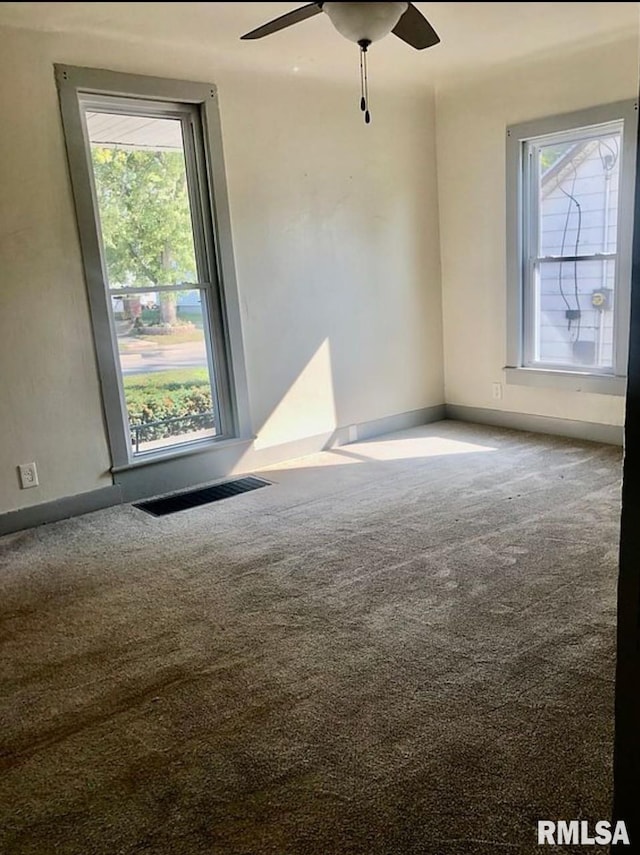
[(402, 646)]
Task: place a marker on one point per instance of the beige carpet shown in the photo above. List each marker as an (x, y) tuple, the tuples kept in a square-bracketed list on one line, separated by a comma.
[(402, 646)]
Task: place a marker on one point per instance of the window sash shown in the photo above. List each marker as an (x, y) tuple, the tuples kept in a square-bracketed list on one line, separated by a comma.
[(531, 343), (192, 142), (532, 260), (560, 259), (150, 454)]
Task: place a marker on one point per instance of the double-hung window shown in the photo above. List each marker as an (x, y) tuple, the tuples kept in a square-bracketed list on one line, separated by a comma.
[(569, 219), (148, 179)]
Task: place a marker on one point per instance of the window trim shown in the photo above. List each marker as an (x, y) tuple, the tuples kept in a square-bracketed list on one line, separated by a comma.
[(192, 133), (75, 86), (517, 372)]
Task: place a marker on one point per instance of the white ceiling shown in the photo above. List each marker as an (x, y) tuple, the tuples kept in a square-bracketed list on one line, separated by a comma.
[(474, 35)]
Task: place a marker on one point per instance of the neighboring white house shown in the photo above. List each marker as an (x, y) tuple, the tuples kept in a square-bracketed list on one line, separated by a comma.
[(578, 216)]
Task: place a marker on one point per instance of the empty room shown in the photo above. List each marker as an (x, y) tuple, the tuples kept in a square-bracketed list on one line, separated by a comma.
[(315, 366)]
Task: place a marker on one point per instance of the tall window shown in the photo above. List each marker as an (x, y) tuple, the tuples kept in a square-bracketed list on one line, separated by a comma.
[(570, 257), (147, 197), (141, 168)]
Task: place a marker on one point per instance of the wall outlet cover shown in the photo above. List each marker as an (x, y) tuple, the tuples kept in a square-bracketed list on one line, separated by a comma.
[(28, 475)]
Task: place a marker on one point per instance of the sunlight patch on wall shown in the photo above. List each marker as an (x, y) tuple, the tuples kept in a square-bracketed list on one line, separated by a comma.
[(308, 407)]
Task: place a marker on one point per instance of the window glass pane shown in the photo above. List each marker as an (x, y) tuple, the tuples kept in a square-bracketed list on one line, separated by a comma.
[(142, 194), (573, 313), (578, 195), (165, 370)]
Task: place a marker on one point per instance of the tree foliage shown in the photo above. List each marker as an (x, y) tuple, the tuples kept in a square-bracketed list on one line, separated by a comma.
[(145, 216), (551, 154)]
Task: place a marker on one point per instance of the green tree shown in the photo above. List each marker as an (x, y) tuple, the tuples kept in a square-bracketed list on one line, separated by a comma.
[(146, 220), (551, 154)]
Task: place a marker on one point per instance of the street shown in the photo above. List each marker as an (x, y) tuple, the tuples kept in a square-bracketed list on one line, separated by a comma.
[(143, 357)]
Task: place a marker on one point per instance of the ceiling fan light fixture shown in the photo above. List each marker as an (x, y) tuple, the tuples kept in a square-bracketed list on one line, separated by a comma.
[(364, 22)]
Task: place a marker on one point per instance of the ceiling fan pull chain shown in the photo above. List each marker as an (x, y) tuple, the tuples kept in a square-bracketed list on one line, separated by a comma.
[(364, 80), (367, 114), (363, 102)]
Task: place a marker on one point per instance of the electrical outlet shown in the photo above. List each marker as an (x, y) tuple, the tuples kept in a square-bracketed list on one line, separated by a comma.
[(497, 391), (28, 475), (353, 433)]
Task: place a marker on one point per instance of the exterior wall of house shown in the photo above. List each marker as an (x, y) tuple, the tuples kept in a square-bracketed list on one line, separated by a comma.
[(472, 117), (336, 245), (578, 216)]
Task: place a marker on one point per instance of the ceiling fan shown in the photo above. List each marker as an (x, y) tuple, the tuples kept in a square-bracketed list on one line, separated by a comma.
[(362, 23)]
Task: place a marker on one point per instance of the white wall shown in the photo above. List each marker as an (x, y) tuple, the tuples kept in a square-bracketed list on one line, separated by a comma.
[(336, 244), (472, 115)]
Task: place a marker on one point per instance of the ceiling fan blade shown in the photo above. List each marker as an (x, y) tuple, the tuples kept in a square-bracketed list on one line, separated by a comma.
[(414, 29), (287, 20)]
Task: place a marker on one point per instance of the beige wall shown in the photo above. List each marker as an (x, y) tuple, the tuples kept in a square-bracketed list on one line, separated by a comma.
[(336, 244), (472, 116)]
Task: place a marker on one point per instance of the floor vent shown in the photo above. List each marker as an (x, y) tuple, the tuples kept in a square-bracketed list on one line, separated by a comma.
[(194, 498)]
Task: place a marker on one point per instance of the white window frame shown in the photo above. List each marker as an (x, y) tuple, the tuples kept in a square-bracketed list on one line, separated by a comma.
[(522, 257), (81, 89)]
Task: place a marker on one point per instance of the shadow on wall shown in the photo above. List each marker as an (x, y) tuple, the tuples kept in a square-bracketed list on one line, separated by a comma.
[(336, 256)]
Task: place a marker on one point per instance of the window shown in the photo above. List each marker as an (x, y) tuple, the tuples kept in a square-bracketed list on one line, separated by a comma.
[(570, 210), (149, 188)]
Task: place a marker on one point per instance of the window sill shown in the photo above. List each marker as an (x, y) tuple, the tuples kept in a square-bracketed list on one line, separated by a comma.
[(182, 451), (570, 381)]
